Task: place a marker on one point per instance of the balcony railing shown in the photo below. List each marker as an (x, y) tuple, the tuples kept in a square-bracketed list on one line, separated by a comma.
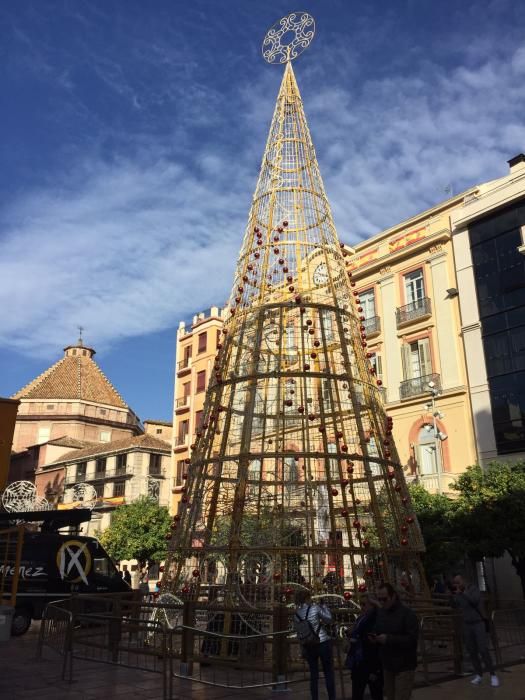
[(418, 385), (180, 440), (183, 364), (372, 325), (183, 401), (411, 312)]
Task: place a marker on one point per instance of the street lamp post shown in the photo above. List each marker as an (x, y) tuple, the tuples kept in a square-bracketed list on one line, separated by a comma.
[(438, 436)]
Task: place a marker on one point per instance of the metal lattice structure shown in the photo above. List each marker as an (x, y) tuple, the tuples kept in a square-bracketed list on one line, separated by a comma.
[(294, 479)]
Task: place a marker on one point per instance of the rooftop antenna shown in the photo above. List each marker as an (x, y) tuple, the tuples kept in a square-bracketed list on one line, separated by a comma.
[(80, 329)]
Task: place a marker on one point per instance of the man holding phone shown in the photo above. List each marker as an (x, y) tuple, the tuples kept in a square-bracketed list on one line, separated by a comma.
[(396, 633)]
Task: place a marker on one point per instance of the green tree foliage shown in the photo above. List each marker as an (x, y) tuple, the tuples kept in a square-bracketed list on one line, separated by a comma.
[(437, 515), (491, 512), (138, 531)]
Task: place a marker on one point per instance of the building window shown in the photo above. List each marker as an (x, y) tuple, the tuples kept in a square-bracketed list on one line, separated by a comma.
[(159, 431), (43, 435), (50, 406), (184, 427), (122, 463), (198, 419), (186, 389), (203, 339), (368, 303), (427, 456), (119, 489), (416, 359), (414, 287), (155, 464), (180, 471), (187, 353), (201, 381), (100, 468), (81, 471), (377, 364), (105, 435), (102, 411), (327, 323), (99, 488)]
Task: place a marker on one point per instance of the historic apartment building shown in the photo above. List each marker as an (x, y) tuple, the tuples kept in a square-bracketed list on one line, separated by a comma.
[(108, 475), (446, 381), (195, 354)]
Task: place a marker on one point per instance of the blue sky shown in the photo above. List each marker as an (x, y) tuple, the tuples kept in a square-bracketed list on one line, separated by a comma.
[(133, 134)]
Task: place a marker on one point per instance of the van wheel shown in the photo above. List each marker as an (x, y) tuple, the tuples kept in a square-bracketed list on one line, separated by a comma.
[(21, 622)]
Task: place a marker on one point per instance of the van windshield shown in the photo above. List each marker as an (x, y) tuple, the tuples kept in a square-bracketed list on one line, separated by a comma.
[(103, 567)]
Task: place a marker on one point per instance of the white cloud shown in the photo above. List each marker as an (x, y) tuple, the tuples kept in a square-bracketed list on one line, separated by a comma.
[(133, 246)]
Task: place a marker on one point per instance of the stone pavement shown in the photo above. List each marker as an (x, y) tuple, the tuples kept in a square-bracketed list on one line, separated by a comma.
[(23, 676)]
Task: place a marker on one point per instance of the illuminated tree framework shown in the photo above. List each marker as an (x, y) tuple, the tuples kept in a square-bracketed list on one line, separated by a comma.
[(294, 478)]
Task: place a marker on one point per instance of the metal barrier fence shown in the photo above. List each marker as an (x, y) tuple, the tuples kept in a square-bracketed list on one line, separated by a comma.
[(508, 635), (241, 648)]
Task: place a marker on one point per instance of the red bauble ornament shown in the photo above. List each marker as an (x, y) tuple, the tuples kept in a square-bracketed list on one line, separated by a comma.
[(344, 482), (404, 528), (335, 492), (256, 255), (306, 367), (316, 343), (366, 543), (313, 355), (344, 513), (297, 299), (404, 541), (291, 288), (356, 524), (361, 588), (311, 416), (300, 409), (288, 402), (285, 223), (195, 573), (276, 239), (256, 229), (344, 448), (379, 382), (285, 269), (369, 572), (347, 595), (410, 519), (276, 251)]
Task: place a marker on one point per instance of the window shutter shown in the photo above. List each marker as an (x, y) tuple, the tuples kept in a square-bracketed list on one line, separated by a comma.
[(405, 359), (425, 361)]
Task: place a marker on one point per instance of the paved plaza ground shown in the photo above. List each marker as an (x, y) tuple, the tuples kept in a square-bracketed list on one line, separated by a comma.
[(22, 675)]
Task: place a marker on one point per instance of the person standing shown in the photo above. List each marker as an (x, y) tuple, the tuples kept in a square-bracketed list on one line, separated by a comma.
[(467, 599), (309, 621), (396, 632), (363, 657)]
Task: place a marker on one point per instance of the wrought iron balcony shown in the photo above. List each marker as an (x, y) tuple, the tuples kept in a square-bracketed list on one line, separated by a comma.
[(418, 385), (421, 308), (183, 364), (182, 402), (372, 325), (180, 440)]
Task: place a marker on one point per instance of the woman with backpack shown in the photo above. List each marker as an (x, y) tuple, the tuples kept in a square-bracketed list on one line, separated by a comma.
[(309, 621), (363, 656)]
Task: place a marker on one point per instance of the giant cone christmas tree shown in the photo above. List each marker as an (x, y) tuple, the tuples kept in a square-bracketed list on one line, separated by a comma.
[(294, 478)]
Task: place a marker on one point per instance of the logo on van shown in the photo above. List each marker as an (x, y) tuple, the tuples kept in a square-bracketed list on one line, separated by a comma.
[(74, 561)]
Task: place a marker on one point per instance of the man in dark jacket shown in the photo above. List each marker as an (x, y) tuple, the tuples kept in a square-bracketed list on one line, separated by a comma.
[(396, 632)]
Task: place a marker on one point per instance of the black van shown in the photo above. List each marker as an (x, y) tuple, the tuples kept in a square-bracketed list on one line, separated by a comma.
[(54, 565)]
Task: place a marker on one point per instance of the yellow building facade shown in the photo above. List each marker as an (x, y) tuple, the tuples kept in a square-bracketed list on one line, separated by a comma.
[(196, 350), (404, 278)]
